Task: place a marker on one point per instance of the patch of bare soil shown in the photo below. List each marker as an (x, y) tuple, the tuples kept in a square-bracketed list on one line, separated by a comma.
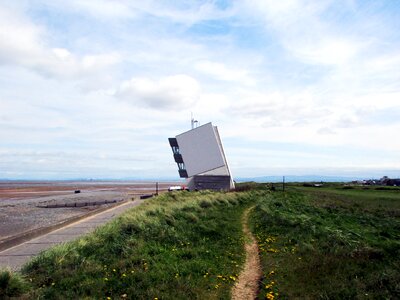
[(248, 282)]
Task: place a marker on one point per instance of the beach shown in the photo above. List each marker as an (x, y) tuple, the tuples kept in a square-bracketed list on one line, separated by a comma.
[(31, 205)]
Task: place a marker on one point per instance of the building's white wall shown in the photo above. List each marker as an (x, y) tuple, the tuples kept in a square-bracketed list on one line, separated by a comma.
[(221, 171), (228, 171), (200, 150)]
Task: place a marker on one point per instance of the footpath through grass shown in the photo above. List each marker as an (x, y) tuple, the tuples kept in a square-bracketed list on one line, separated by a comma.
[(176, 246), (328, 245)]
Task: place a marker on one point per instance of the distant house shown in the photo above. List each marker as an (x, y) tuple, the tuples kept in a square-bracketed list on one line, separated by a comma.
[(384, 180), (393, 182)]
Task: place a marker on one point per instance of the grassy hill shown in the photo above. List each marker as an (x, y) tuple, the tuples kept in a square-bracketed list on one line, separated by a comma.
[(317, 243)]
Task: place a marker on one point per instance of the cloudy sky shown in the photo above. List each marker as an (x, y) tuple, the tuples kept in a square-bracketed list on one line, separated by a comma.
[(93, 88)]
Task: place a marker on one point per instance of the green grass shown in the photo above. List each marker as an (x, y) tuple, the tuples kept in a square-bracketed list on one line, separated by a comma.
[(176, 246), (315, 243), (383, 201), (329, 244), (12, 284)]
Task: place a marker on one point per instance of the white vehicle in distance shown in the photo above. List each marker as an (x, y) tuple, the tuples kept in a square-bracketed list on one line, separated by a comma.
[(177, 188)]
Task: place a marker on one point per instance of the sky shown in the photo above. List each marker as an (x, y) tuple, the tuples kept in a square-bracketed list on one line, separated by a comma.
[(94, 88)]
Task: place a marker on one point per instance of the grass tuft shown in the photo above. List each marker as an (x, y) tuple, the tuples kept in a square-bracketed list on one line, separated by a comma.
[(12, 285)]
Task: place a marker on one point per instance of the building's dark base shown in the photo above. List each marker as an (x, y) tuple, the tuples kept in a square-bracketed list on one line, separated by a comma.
[(209, 182)]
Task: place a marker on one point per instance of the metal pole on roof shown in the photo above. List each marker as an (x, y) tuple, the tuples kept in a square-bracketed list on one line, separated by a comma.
[(193, 121)]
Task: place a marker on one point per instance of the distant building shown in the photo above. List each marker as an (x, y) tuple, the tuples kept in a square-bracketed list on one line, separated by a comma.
[(393, 182), (385, 180), (200, 157)]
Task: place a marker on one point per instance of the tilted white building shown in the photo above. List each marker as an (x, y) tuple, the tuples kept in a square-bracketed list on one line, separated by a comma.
[(201, 159)]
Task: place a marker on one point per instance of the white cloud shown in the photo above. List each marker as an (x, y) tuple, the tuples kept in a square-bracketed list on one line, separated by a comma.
[(187, 13), (19, 38), (24, 43), (61, 63), (166, 93), (101, 8), (304, 32), (270, 74), (220, 71), (327, 51)]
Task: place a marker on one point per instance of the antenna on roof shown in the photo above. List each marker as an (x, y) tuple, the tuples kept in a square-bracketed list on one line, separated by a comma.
[(194, 122)]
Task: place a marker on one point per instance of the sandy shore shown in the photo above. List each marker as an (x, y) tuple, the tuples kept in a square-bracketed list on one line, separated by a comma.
[(21, 203)]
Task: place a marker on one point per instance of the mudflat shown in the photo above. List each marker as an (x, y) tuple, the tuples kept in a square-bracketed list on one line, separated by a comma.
[(23, 204)]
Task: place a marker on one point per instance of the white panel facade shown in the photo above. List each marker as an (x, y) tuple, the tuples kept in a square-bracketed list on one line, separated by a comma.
[(232, 184), (200, 150), (222, 171)]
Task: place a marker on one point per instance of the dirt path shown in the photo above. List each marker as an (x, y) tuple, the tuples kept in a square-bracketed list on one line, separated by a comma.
[(247, 285)]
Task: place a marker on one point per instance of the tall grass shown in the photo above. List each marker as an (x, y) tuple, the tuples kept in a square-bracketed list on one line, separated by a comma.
[(326, 250), (12, 285), (177, 246)]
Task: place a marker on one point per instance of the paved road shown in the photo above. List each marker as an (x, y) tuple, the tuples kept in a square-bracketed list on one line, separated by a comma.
[(17, 256)]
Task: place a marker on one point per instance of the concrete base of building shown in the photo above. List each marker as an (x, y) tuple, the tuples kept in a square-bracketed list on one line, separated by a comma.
[(209, 182)]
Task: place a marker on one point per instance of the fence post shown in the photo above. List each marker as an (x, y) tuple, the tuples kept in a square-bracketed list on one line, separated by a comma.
[(283, 186)]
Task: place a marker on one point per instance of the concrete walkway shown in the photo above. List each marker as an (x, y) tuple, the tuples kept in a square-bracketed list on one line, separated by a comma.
[(17, 256)]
